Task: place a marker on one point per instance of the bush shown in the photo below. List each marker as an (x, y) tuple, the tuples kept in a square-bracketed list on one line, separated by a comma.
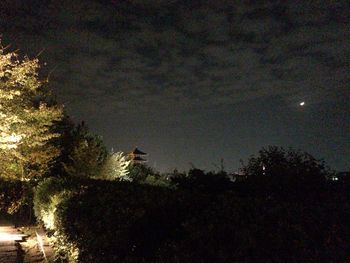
[(105, 221), (46, 191), (48, 195), (111, 221)]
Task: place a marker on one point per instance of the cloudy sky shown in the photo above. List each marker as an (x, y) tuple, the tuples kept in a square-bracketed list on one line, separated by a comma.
[(196, 81)]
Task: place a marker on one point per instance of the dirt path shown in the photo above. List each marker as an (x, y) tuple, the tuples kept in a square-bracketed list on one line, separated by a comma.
[(36, 248)]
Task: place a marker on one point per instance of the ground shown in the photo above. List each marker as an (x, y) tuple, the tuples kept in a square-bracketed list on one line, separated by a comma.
[(26, 244)]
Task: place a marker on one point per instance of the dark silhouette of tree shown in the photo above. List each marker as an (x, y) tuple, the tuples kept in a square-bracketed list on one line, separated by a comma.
[(286, 167), (197, 179), (138, 172), (86, 153)]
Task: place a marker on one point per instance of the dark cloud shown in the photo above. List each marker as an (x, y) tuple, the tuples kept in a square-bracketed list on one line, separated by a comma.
[(162, 58)]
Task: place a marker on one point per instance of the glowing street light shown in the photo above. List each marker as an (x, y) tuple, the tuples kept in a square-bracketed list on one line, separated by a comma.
[(302, 103)]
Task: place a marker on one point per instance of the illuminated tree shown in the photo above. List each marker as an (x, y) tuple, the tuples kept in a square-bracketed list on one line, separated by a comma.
[(115, 167), (28, 117)]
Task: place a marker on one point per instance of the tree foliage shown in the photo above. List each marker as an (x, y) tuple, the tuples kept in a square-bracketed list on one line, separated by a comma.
[(139, 172), (286, 166), (28, 117), (115, 167), (87, 153), (199, 180)]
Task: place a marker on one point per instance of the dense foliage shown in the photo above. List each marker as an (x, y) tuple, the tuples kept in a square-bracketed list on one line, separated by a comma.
[(87, 157), (138, 172), (286, 166), (11, 196), (16, 201), (198, 180), (104, 221), (86, 153), (49, 193), (28, 120), (115, 167)]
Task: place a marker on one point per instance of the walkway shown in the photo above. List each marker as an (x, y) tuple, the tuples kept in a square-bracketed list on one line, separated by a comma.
[(16, 247), (36, 247), (9, 248)]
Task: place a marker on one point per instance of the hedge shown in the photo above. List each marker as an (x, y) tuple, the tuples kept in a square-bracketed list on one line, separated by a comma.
[(103, 221)]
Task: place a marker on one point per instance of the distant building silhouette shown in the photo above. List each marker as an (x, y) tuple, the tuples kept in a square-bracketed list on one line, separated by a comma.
[(136, 156)]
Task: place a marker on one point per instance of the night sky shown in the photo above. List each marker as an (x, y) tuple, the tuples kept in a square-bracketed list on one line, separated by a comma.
[(196, 81)]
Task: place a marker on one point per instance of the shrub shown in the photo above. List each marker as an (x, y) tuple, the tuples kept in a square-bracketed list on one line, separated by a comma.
[(140, 223), (106, 221), (48, 195)]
